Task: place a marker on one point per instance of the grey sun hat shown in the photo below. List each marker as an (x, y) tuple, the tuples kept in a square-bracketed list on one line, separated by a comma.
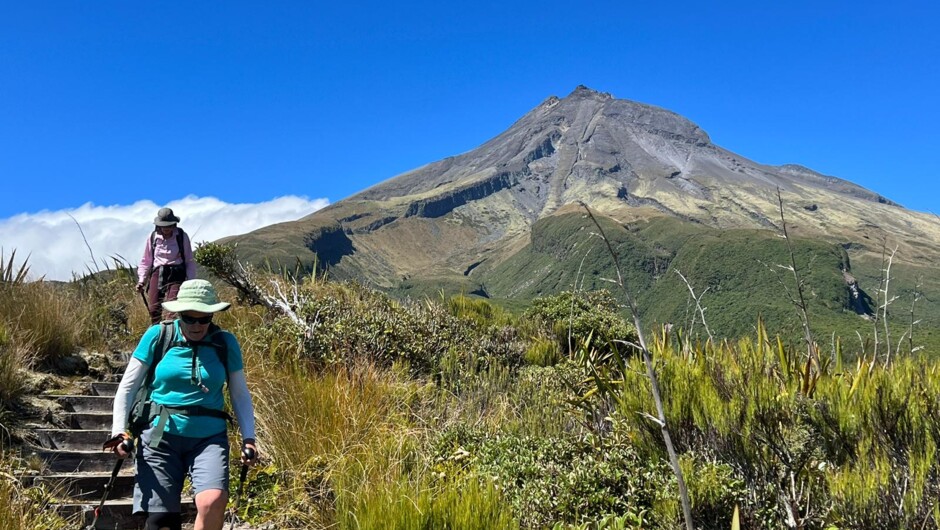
[(165, 217), (196, 295)]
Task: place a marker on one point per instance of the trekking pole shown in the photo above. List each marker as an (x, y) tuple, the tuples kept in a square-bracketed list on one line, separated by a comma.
[(249, 454), (128, 446)]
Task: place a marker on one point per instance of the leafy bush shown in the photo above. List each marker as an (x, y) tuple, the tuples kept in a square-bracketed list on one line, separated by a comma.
[(348, 321), (591, 316), (548, 480)]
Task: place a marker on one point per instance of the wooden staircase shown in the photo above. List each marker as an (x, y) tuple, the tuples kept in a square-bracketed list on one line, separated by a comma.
[(74, 464)]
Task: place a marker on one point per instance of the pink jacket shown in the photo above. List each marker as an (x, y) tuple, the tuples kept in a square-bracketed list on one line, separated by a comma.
[(166, 252)]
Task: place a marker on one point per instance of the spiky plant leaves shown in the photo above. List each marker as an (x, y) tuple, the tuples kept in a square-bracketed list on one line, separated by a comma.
[(9, 274)]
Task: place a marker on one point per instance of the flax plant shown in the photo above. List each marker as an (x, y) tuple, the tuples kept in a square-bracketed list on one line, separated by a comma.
[(859, 452)]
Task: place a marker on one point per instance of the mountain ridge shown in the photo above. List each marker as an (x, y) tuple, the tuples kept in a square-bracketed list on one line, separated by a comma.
[(459, 218)]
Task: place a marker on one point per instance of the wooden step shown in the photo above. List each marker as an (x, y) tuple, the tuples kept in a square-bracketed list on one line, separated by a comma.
[(86, 403), (88, 486), (87, 420), (117, 514), (103, 389), (72, 439), (78, 461)]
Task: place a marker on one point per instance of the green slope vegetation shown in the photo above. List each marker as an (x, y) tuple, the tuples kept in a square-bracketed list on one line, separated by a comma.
[(739, 274), (452, 413)]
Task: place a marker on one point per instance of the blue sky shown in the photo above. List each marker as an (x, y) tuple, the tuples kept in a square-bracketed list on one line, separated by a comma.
[(113, 103)]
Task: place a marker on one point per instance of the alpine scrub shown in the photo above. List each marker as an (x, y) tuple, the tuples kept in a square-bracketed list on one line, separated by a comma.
[(455, 413)]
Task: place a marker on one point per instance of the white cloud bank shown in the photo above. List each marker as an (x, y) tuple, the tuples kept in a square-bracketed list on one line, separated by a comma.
[(56, 248)]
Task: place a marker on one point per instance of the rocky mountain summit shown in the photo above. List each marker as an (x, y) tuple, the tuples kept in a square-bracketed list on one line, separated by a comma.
[(627, 160)]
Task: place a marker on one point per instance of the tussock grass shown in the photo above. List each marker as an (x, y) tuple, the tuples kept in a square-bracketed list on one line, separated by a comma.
[(23, 508), (13, 360), (334, 436), (42, 318), (468, 506), (50, 320)]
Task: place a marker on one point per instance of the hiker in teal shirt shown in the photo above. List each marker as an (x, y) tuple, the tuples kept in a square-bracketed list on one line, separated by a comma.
[(179, 415)]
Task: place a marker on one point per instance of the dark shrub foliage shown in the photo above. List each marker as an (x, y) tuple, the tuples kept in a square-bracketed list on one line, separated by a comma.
[(589, 315)]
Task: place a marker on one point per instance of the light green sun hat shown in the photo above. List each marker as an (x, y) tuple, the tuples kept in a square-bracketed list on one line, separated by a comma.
[(196, 295)]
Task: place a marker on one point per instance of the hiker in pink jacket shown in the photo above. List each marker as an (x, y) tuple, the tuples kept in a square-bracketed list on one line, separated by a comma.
[(167, 262)]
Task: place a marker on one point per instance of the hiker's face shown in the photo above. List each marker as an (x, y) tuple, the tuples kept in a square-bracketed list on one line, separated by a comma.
[(195, 325), (166, 231)]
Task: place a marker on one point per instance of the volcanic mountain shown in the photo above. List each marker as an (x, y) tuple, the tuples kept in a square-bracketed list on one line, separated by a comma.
[(471, 222)]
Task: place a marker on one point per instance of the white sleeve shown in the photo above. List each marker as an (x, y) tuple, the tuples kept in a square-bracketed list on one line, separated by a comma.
[(241, 403), (133, 377)]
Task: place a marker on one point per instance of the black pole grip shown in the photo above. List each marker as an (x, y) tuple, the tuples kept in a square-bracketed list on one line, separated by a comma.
[(128, 445), (248, 453)]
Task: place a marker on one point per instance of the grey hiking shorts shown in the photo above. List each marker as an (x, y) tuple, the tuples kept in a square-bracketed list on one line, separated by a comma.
[(162, 469)]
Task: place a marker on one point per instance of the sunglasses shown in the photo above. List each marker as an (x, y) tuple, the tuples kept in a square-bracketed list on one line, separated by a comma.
[(196, 320)]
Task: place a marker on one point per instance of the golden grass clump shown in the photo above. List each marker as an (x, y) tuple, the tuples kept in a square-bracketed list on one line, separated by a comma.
[(25, 508), (13, 360), (43, 318)]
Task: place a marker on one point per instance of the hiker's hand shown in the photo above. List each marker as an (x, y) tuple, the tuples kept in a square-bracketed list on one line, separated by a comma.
[(255, 454), (140, 287), (119, 444)]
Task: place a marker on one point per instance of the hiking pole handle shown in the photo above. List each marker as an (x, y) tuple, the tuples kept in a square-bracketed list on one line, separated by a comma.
[(248, 454), (128, 446)]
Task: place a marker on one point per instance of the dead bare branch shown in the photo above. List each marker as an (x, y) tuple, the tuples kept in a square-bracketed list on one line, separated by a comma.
[(651, 373)]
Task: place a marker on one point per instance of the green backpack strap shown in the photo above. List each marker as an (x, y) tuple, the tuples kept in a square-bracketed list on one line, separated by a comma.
[(139, 417), (179, 243), (164, 342), (145, 411), (217, 341)]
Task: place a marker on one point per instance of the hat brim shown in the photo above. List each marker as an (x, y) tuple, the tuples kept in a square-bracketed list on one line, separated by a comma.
[(164, 222), (176, 306)]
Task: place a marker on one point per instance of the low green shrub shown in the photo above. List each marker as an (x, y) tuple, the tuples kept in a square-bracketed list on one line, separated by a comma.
[(349, 322), (591, 318), (714, 490), (548, 480), (543, 352)]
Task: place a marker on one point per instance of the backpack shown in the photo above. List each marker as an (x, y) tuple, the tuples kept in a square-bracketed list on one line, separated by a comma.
[(143, 410), (169, 273), (179, 242)]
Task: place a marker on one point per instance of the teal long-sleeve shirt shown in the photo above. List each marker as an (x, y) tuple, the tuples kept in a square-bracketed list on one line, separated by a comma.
[(173, 385)]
